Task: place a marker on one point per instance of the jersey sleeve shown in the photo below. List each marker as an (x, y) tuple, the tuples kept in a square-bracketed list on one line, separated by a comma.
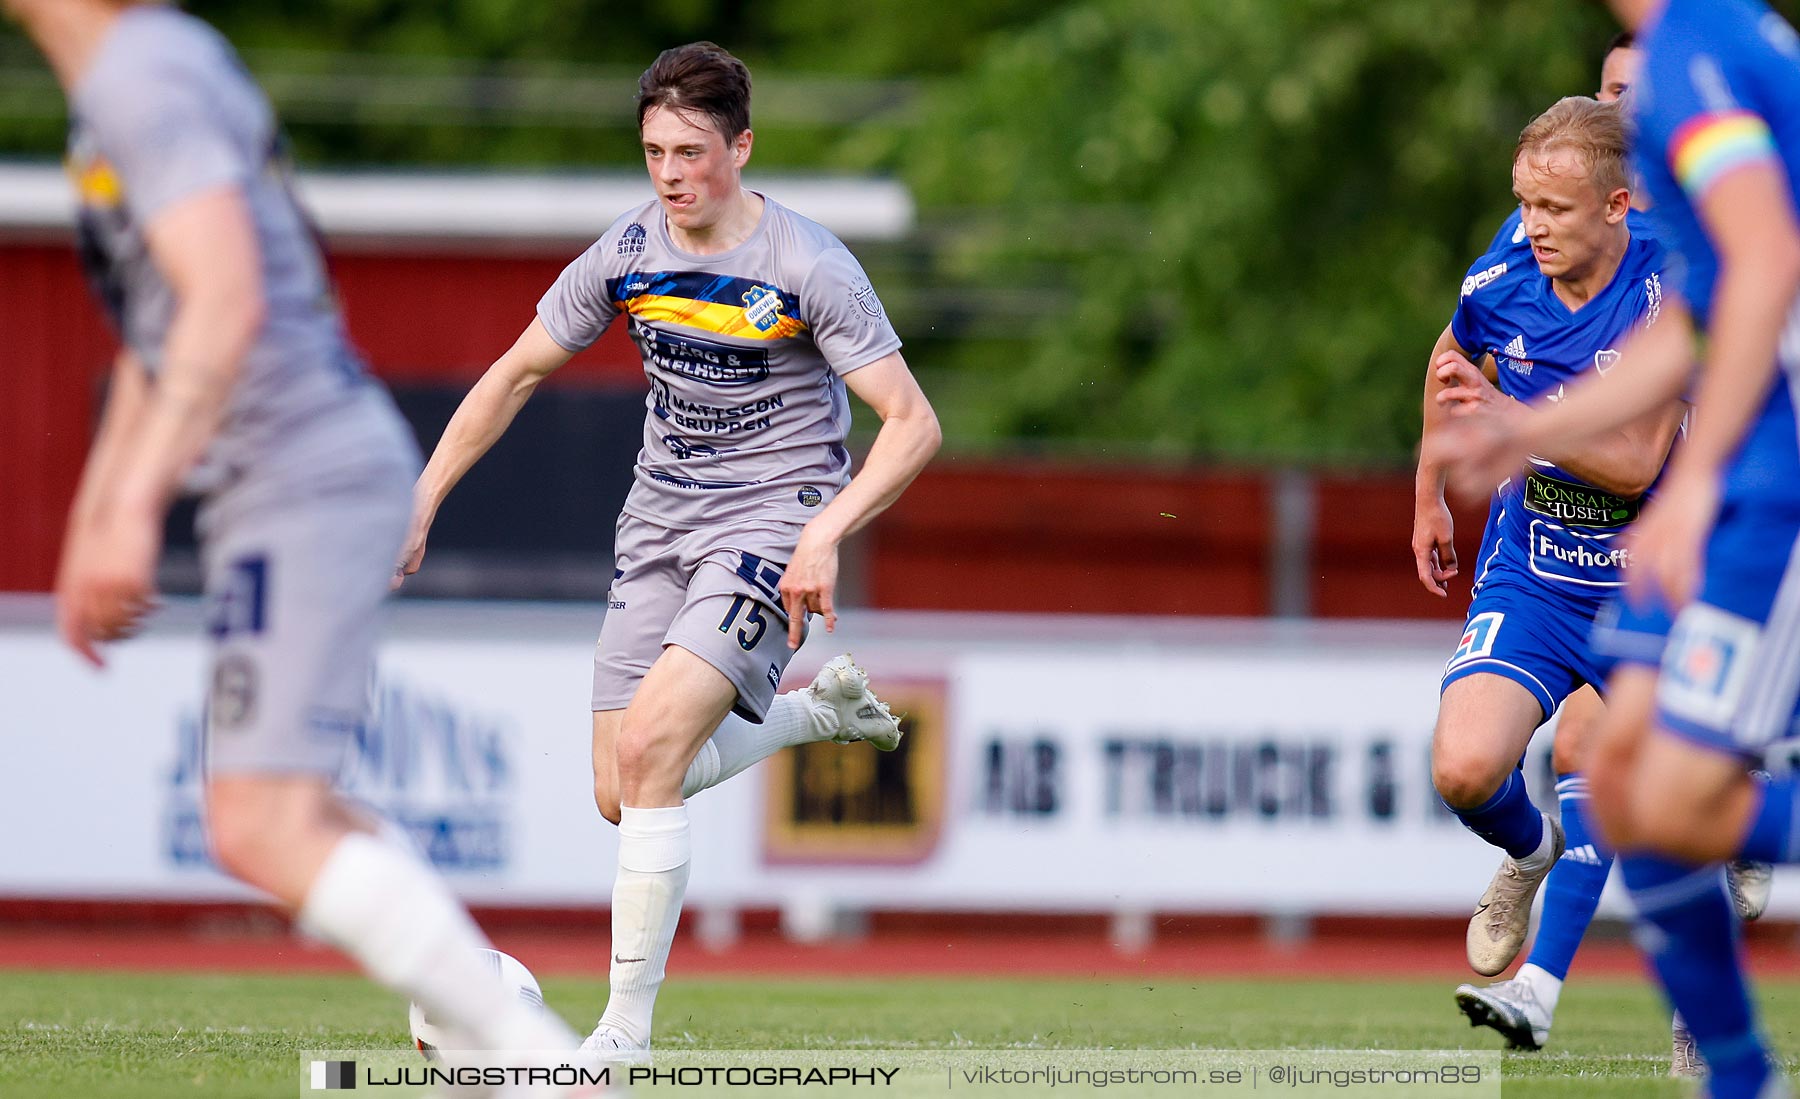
[(581, 302), (162, 138), (1511, 232), (1702, 123), (1468, 323), (848, 323)]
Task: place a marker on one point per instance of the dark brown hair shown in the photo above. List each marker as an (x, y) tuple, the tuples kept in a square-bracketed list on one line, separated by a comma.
[(698, 79)]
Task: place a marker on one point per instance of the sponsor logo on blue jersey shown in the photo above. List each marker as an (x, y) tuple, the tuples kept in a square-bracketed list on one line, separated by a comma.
[(1480, 279), (1576, 505)]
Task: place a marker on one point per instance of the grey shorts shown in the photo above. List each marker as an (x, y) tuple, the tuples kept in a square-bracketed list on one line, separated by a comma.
[(294, 594), (713, 591)]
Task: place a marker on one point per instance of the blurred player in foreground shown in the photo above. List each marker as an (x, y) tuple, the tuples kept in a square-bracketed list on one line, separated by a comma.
[(235, 366), (1547, 310), (751, 321), (1719, 146)]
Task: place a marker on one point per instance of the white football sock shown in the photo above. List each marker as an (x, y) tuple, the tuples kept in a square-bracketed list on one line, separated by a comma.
[(1540, 859), (654, 851), (1547, 987), (794, 718), (395, 916)]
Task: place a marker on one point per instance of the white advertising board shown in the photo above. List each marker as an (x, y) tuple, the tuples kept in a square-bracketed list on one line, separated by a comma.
[(1056, 765)]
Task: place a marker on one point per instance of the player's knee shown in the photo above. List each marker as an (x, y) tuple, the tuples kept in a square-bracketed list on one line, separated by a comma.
[(1681, 830), (1566, 752), (254, 828), (1464, 780), (1609, 811), (606, 798), (244, 832), (643, 757)]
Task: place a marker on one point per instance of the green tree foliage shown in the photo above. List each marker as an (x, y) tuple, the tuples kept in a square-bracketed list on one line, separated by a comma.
[(1248, 218), (1197, 228)]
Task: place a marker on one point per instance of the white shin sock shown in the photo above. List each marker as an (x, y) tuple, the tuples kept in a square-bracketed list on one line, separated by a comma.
[(394, 915), (654, 852), (793, 718)]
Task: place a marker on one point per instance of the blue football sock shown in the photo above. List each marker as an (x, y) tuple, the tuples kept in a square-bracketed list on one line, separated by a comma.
[(1572, 891), (1771, 836), (1686, 926), (1507, 820)]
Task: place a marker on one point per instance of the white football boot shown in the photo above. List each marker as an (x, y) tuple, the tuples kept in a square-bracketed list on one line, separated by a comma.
[(1497, 929), (1749, 884), (1510, 1007), (612, 1047), (844, 688), (1685, 1062)]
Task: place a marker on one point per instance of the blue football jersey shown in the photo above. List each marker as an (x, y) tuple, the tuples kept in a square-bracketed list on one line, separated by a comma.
[(1549, 528), (1721, 89)]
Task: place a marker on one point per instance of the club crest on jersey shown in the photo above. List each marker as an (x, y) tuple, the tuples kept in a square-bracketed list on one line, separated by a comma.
[(762, 307), (1605, 360), (631, 241)]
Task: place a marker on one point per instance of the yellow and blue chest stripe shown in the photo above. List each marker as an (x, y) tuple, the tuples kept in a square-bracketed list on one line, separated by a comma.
[(722, 304)]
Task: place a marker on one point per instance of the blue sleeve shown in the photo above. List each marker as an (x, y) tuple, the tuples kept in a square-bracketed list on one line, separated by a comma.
[(1469, 323), (1702, 120)]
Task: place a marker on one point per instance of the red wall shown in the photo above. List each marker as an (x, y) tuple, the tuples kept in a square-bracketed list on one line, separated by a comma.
[(1015, 537), (1012, 536), (1054, 538), (55, 351)]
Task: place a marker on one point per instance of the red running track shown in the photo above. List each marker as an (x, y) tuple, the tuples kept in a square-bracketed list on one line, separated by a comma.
[(576, 952)]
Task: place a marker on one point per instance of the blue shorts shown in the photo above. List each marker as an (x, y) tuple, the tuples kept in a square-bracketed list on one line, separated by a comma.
[(1730, 677), (1530, 637), (1629, 635)]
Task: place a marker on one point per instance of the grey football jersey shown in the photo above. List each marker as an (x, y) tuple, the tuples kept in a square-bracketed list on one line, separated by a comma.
[(745, 352), (166, 111)]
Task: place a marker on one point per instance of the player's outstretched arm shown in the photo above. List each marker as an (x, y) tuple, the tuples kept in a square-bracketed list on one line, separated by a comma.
[(205, 247), (1753, 226), (480, 420), (1625, 460), (1480, 447), (1433, 537), (909, 436)]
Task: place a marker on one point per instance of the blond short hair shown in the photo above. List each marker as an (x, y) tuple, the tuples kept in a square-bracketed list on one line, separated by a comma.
[(1593, 129)]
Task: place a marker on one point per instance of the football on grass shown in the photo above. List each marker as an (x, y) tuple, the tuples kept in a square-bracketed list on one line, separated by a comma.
[(430, 1036)]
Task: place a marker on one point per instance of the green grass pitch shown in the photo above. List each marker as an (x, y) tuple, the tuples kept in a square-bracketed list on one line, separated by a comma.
[(155, 1036)]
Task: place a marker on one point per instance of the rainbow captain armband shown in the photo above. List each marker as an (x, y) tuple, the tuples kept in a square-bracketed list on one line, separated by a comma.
[(1711, 146)]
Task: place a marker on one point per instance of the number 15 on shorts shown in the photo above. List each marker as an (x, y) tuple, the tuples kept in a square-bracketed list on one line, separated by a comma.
[(755, 624)]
